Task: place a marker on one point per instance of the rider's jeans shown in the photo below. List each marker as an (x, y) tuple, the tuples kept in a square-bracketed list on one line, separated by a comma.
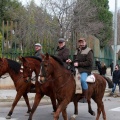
[(83, 80)]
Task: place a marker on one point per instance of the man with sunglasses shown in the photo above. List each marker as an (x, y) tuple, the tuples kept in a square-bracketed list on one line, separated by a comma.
[(62, 52)]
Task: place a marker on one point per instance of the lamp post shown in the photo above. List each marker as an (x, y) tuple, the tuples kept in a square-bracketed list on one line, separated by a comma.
[(115, 33)]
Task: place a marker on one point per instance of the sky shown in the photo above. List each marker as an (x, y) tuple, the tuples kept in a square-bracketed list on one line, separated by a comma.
[(111, 3)]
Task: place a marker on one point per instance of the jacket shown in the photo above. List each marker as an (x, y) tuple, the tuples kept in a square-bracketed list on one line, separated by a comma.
[(38, 54), (62, 53), (84, 58), (116, 76)]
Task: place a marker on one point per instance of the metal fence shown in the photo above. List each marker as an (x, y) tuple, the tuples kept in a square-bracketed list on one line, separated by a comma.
[(13, 46)]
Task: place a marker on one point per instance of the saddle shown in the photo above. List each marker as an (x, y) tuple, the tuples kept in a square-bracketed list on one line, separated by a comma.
[(90, 79)]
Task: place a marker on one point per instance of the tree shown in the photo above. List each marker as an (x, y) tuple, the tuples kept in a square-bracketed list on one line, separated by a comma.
[(93, 17), (105, 16), (62, 12), (7, 9)]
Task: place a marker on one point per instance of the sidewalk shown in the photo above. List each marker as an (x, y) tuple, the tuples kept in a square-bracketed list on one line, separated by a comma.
[(8, 96)]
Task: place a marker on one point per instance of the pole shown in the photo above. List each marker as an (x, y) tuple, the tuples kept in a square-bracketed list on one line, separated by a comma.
[(115, 33)]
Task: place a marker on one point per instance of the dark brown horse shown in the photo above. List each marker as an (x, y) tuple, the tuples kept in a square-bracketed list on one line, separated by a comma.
[(47, 88), (51, 66), (22, 88)]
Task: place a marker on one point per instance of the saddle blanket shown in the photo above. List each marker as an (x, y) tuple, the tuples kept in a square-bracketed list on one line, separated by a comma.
[(90, 79)]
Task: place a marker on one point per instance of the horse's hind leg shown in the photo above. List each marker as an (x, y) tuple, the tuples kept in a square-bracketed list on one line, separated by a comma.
[(27, 102), (90, 108), (17, 98), (103, 111), (37, 99), (100, 109)]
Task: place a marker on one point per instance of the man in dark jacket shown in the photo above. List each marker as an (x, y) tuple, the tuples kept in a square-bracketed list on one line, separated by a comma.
[(116, 79), (62, 52), (83, 60)]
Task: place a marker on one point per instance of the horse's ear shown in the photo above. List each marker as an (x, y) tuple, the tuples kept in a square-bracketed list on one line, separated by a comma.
[(43, 56), (21, 58), (47, 56)]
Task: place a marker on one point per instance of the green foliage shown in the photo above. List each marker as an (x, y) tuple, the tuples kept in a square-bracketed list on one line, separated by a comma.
[(105, 16), (0, 45), (6, 9)]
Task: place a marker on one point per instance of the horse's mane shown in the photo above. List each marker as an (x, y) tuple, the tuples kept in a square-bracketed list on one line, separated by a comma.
[(34, 57), (14, 65), (57, 59)]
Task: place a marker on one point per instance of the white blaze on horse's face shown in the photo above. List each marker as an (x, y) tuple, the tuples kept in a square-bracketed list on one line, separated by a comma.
[(21, 69)]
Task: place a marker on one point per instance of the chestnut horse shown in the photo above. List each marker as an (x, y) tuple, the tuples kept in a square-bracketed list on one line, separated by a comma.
[(47, 88), (22, 88), (65, 88)]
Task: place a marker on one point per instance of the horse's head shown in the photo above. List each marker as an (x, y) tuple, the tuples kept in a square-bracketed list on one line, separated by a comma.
[(26, 67), (46, 67), (3, 66)]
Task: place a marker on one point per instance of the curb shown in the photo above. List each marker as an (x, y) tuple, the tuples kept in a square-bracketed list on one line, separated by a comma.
[(8, 102)]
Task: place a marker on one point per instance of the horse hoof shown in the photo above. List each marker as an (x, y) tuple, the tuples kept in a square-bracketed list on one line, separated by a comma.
[(73, 117), (8, 117), (52, 113), (27, 114), (92, 113)]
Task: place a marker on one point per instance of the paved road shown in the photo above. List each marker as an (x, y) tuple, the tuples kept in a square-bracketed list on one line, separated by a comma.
[(112, 107)]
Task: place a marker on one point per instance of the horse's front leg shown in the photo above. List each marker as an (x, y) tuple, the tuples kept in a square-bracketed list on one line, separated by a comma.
[(61, 108), (25, 96), (64, 114), (54, 103), (17, 98), (75, 110), (37, 99)]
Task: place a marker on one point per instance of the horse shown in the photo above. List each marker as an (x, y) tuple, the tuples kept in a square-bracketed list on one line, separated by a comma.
[(29, 65), (14, 70), (52, 66), (64, 83)]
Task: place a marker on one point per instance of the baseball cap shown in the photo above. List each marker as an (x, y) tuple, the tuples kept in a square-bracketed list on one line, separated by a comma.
[(82, 39), (61, 40), (38, 44)]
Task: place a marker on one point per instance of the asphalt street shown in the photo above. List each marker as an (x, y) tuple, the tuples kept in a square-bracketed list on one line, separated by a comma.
[(43, 112)]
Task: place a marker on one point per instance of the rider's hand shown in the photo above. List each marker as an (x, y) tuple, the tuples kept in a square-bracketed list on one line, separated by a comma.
[(69, 61), (76, 64)]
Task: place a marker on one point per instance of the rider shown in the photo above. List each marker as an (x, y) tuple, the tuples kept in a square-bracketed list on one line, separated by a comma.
[(83, 60), (62, 52), (38, 50)]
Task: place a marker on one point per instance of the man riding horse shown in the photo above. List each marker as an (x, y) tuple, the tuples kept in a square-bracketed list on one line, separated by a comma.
[(62, 52), (83, 60)]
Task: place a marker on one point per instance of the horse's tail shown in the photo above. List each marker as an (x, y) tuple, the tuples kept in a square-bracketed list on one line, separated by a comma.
[(109, 81)]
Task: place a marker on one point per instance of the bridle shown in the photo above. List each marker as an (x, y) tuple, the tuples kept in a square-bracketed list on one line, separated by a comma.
[(47, 77), (29, 71)]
